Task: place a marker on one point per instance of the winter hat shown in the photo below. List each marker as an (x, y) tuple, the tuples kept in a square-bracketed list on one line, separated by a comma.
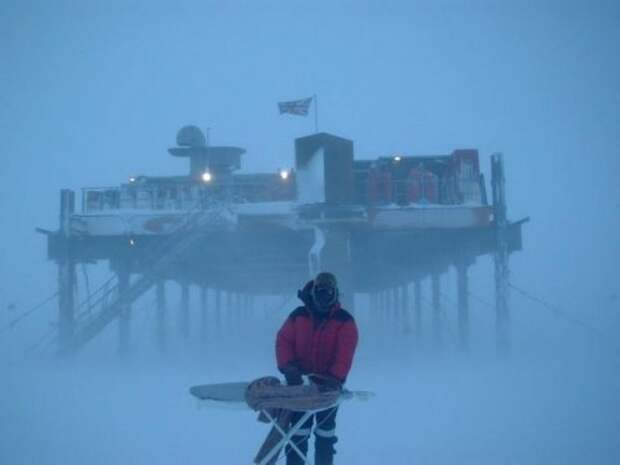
[(326, 278)]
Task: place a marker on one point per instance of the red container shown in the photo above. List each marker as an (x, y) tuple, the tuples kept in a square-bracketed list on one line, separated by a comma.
[(379, 186)]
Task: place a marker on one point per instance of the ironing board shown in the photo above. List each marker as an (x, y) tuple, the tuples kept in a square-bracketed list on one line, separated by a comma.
[(275, 403)]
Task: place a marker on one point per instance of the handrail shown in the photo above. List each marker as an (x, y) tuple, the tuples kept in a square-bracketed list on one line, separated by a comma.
[(169, 247), (449, 190)]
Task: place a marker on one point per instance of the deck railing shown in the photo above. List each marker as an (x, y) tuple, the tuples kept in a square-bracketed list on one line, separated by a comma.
[(148, 197), (184, 197)]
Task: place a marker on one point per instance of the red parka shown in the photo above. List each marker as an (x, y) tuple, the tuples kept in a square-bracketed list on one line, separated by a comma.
[(317, 344)]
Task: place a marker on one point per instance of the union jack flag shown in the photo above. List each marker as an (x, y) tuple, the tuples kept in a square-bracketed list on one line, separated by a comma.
[(295, 107)]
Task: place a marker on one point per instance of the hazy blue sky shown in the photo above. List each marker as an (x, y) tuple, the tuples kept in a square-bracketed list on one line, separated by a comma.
[(92, 92)]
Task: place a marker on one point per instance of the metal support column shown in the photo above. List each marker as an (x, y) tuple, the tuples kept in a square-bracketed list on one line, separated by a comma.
[(184, 326), (124, 319), (237, 305), (385, 304), (203, 312), (501, 257), (66, 274), (405, 308), (218, 309), (160, 291), (437, 323), (66, 303), (397, 305), (234, 307), (462, 283), (372, 305), (228, 308), (417, 304)]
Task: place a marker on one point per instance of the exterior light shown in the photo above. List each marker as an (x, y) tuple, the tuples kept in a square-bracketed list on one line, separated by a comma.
[(206, 176), (132, 179), (397, 158), (284, 174), (132, 242)]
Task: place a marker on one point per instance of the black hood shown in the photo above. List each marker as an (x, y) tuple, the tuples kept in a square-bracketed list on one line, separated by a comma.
[(305, 294)]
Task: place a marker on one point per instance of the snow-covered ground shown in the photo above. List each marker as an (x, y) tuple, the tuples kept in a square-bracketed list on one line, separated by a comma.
[(551, 402)]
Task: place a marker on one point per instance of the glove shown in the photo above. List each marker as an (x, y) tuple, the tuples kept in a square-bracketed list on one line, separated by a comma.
[(292, 373), (326, 383)]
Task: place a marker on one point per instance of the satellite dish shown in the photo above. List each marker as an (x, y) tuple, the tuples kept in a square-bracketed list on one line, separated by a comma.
[(191, 136)]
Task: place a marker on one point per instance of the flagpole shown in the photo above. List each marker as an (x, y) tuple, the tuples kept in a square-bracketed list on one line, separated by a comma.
[(316, 114)]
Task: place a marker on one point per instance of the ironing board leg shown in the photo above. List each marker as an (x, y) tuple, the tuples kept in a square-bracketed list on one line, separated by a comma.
[(286, 437)]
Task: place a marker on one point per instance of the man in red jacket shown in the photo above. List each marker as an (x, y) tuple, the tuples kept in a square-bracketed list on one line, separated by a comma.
[(317, 339)]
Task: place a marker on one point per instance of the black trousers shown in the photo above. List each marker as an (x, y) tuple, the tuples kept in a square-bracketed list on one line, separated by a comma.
[(324, 438)]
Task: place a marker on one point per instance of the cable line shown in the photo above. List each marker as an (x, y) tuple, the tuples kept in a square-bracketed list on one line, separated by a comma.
[(556, 310), (27, 313)]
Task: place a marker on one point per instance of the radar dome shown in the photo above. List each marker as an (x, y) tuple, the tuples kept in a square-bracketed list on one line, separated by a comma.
[(191, 136)]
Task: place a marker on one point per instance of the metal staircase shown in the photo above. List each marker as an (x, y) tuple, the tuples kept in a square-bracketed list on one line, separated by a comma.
[(108, 302)]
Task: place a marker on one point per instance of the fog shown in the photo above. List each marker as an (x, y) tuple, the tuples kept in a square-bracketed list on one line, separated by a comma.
[(94, 92)]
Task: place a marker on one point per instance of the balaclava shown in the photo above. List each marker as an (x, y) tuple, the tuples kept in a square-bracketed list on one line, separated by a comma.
[(324, 291)]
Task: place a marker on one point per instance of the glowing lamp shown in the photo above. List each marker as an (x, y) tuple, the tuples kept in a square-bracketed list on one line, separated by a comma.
[(206, 176)]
